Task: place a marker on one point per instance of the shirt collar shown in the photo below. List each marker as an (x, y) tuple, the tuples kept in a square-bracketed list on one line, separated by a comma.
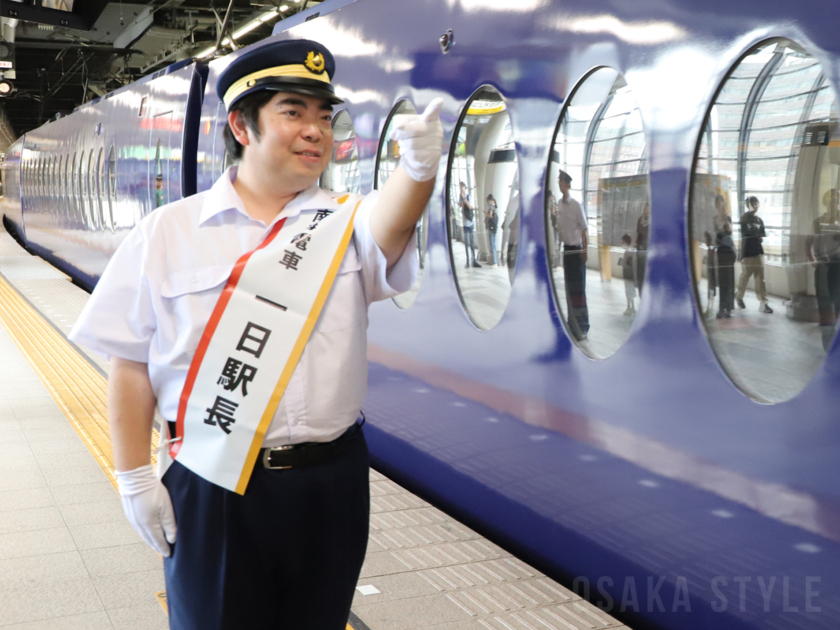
[(223, 197)]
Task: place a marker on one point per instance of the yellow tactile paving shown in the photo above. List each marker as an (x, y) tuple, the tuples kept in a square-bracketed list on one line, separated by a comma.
[(78, 389)]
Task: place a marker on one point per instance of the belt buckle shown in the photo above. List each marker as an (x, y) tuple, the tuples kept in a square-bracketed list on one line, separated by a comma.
[(267, 456)]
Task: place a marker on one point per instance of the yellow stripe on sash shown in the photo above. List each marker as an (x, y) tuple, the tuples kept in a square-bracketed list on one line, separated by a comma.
[(297, 351)]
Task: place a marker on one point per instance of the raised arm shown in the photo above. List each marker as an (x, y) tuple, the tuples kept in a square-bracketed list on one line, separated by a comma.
[(406, 193)]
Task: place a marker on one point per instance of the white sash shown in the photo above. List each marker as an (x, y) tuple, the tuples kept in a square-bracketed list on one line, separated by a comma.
[(253, 341)]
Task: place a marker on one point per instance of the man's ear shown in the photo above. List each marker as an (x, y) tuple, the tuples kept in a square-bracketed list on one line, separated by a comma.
[(239, 128)]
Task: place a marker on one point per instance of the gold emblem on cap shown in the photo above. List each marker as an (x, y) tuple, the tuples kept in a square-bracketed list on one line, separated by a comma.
[(315, 61)]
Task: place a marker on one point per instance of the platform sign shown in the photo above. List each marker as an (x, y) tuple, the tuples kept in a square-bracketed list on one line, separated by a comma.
[(621, 201)]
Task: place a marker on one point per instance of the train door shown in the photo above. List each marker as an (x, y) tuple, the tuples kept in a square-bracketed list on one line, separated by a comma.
[(159, 149)]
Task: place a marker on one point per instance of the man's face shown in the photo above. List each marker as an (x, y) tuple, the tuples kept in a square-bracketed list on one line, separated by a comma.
[(564, 185), (754, 205), (296, 138)]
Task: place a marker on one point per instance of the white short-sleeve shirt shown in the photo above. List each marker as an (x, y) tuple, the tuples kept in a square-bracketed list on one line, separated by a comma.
[(156, 296), (571, 222)]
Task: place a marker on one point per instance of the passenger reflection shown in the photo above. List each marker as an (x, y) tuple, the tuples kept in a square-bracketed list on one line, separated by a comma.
[(752, 261), (571, 225), (511, 230), (642, 235), (554, 240), (823, 250), (628, 264), (711, 273), (491, 222), (158, 191), (468, 216), (724, 258)]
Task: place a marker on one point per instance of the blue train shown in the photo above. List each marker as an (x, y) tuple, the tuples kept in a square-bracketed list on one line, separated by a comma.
[(626, 372)]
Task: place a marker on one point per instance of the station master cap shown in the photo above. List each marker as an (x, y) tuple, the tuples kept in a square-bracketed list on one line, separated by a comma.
[(300, 66)]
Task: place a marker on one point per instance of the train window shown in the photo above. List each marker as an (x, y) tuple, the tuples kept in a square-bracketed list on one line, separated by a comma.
[(39, 179), (80, 190), (71, 186), (765, 220), (387, 161), (89, 185), (597, 213), (142, 111), (53, 186), (342, 173), (59, 181), (100, 176), (482, 203), (158, 191), (111, 183)]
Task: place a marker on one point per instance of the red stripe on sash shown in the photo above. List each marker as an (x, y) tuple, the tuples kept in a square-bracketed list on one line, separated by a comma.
[(209, 330)]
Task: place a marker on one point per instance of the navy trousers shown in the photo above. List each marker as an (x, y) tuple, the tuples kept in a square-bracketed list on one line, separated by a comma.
[(286, 554), (574, 275)]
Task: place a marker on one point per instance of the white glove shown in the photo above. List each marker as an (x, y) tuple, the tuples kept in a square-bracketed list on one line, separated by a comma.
[(147, 506), (420, 138)]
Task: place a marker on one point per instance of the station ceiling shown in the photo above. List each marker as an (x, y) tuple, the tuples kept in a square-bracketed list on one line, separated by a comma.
[(63, 59)]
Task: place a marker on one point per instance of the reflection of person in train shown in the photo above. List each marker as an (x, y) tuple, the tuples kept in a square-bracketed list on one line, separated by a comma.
[(511, 229), (468, 217), (571, 224), (752, 262), (158, 191), (823, 250), (554, 236), (628, 265), (491, 222), (711, 272), (725, 258), (642, 235)]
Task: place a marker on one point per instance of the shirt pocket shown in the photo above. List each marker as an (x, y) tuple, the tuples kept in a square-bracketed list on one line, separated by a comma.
[(194, 280), (345, 307)]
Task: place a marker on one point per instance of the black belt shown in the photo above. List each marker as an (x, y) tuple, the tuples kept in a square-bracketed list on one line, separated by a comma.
[(309, 453)]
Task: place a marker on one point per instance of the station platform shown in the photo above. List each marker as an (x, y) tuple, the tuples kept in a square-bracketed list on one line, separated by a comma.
[(69, 560)]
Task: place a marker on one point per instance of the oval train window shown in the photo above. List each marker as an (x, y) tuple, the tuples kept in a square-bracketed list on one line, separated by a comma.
[(80, 190), (71, 178), (59, 178), (483, 207), (765, 220), (89, 184), (111, 183), (387, 160), (342, 173), (597, 213), (157, 179), (98, 176)]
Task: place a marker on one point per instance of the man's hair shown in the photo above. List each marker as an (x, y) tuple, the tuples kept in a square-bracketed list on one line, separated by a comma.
[(250, 107), (751, 200), (564, 176), (627, 239)]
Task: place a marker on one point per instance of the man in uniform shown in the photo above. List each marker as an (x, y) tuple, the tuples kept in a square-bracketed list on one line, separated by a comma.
[(571, 224), (241, 313)]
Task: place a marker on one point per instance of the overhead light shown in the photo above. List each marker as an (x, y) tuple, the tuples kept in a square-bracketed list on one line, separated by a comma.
[(6, 87), (284, 8)]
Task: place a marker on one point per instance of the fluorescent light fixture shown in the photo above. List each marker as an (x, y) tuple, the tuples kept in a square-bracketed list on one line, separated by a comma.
[(244, 30)]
